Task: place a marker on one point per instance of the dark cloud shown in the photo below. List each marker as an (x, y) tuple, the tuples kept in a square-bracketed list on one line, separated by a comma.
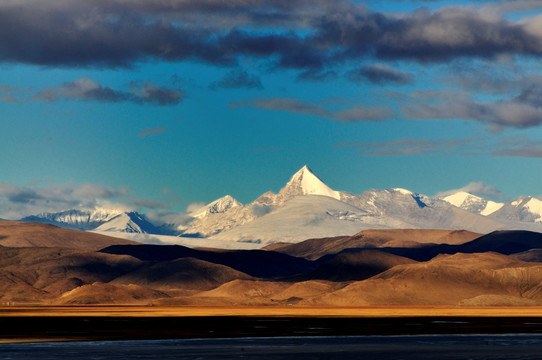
[(17, 193), (510, 146), (305, 35), (360, 113), (152, 131), (83, 89), (8, 94), (380, 74), (507, 113), (286, 104), (87, 89), (18, 201), (317, 75), (409, 146), (513, 6), (236, 79), (146, 92), (67, 193), (355, 114), (149, 204), (520, 151), (518, 146)]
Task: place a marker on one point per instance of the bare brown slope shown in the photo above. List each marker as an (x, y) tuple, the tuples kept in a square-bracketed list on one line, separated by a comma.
[(99, 293), (357, 265), (244, 292), (315, 248), (41, 274), (184, 273), (306, 290), (23, 234), (445, 280)]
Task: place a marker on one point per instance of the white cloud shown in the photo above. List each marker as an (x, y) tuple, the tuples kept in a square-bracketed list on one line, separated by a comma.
[(477, 188), (18, 201)]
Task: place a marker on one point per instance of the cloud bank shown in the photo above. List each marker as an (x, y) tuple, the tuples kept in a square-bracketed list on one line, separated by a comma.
[(18, 201), (87, 89), (298, 34)]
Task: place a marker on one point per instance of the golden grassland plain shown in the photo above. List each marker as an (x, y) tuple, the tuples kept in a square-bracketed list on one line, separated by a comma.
[(271, 311)]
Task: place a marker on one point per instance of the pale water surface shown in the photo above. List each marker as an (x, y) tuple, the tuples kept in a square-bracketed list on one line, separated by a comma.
[(357, 347)]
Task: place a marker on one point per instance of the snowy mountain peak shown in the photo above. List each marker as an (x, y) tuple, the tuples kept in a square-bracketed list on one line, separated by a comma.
[(218, 206), (473, 203), (461, 197), (77, 219), (403, 191), (128, 222), (304, 182)]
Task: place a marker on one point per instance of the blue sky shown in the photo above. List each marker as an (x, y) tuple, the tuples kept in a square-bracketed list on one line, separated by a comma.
[(157, 105)]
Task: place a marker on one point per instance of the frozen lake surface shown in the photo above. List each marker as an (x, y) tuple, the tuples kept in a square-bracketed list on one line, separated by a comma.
[(350, 347)]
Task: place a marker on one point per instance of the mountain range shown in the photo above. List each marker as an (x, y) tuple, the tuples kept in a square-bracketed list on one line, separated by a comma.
[(307, 208), (48, 265)]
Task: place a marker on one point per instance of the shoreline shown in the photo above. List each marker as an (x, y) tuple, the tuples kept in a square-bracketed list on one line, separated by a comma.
[(102, 323), (273, 311)]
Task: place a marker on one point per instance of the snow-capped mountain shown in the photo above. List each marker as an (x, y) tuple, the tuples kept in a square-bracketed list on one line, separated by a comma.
[(130, 222), (76, 219), (303, 182), (524, 209), (101, 219), (216, 207), (306, 207), (473, 203), (227, 213), (307, 216)]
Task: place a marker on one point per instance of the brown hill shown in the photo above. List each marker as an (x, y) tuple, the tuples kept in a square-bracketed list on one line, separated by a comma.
[(99, 293), (503, 242), (534, 255), (257, 263), (306, 290), (184, 273), (41, 274), (356, 265), (405, 238), (28, 234), (245, 292), (445, 280), (497, 300)]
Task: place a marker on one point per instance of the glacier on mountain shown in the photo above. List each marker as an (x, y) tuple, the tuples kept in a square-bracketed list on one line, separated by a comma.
[(306, 207)]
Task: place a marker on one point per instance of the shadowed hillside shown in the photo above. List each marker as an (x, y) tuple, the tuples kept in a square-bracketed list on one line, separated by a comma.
[(504, 242), (358, 265), (41, 274), (258, 263), (183, 273), (445, 280), (374, 267), (401, 238)]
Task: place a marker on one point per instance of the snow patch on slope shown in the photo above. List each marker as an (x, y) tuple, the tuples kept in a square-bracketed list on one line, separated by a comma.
[(473, 203), (216, 207), (310, 184), (535, 207)]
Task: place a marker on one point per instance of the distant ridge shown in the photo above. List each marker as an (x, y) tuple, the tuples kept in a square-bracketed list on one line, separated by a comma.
[(305, 207), (22, 234)]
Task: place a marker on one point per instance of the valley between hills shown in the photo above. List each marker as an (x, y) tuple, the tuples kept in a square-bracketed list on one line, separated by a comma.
[(43, 264)]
